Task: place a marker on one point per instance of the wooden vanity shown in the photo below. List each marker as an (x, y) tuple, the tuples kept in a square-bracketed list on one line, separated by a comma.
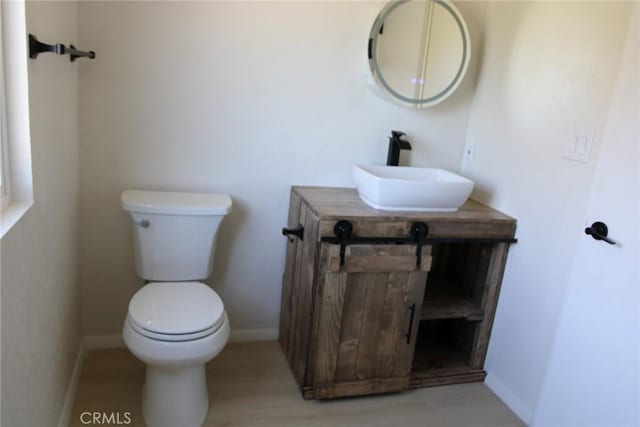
[(383, 307)]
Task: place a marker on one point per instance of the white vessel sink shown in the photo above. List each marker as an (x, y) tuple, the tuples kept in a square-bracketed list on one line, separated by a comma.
[(402, 188)]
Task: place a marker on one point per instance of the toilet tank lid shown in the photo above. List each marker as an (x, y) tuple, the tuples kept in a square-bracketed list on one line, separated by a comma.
[(174, 203)]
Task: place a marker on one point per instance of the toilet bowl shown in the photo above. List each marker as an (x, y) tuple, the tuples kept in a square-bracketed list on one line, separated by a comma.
[(175, 328)]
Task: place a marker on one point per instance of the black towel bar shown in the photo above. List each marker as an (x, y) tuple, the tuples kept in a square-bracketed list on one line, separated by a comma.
[(36, 47)]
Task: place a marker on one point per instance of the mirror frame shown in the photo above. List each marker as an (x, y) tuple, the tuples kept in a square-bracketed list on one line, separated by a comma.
[(376, 73)]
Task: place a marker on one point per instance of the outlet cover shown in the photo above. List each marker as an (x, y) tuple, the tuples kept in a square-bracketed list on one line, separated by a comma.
[(469, 153)]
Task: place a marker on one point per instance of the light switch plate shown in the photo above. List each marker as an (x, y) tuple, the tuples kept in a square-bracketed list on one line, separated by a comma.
[(579, 146)]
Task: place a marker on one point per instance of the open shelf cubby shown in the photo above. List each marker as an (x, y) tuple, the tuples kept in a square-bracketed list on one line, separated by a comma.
[(456, 282), (443, 352), (448, 343)]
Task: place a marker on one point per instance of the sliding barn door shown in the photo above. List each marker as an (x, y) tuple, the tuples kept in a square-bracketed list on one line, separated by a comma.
[(367, 312)]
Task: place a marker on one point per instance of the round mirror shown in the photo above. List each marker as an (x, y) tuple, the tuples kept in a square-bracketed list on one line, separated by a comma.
[(419, 51)]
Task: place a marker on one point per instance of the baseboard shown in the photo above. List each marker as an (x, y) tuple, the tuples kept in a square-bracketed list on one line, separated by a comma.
[(70, 398), (101, 342), (253, 335), (523, 411)]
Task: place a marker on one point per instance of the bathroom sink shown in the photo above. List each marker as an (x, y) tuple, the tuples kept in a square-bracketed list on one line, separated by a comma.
[(402, 188)]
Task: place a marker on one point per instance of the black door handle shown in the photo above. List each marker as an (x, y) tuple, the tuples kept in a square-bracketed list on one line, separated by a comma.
[(599, 231), (298, 232)]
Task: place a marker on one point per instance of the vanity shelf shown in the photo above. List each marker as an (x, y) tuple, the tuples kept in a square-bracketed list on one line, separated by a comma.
[(361, 314), (449, 305)]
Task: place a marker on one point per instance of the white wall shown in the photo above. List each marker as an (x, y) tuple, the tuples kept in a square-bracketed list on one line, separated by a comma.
[(548, 70), (40, 299), (237, 97)]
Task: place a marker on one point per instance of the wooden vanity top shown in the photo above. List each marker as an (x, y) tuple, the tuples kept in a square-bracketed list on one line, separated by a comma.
[(472, 220)]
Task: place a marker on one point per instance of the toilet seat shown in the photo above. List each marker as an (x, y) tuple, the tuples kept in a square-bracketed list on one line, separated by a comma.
[(175, 311), (170, 337)]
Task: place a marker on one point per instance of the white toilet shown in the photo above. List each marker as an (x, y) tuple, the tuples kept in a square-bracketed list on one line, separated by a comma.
[(175, 324)]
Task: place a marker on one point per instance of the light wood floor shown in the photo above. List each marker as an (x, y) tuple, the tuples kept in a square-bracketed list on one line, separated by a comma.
[(251, 385)]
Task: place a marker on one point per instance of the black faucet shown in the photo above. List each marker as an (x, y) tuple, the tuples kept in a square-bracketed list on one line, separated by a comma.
[(396, 143)]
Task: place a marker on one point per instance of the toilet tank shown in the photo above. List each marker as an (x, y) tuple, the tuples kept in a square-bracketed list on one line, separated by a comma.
[(174, 233)]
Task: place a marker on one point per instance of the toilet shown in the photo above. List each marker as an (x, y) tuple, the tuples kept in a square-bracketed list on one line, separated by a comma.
[(175, 323)]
